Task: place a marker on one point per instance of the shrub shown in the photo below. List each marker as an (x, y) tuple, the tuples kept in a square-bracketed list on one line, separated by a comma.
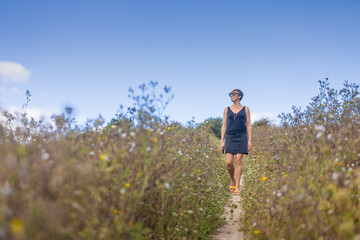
[(140, 177), (302, 181)]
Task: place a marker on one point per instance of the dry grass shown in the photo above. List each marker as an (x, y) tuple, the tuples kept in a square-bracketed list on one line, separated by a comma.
[(140, 177), (303, 180)]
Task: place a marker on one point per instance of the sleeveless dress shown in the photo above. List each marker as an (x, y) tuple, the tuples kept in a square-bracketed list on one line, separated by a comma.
[(236, 136)]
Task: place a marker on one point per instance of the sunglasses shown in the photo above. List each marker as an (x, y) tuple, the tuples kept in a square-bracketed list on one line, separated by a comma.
[(233, 94)]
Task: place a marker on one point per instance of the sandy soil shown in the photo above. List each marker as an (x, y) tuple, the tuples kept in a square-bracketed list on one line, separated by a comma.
[(232, 213)]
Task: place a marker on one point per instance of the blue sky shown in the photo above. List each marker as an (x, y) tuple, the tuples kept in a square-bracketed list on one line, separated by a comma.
[(87, 54)]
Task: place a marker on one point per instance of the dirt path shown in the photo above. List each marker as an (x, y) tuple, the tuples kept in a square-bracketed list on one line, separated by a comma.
[(232, 212)]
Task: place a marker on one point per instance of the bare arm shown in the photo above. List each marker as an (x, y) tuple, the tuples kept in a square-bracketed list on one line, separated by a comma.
[(248, 126), (223, 127)]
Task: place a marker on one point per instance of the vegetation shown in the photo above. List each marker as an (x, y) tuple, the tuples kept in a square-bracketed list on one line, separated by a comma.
[(143, 177), (262, 122), (139, 177), (303, 178), (214, 125)]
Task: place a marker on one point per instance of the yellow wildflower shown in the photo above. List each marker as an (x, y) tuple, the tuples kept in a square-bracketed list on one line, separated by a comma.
[(168, 138), (155, 139), (17, 226), (102, 156), (198, 170), (139, 174), (169, 128), (264, 178), (210, 210), (127, 185), (115, 211), (339, 164), (257, 231), (285, 175)]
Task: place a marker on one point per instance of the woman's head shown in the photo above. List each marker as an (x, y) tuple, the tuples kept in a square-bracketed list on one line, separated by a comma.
[(237, 92)]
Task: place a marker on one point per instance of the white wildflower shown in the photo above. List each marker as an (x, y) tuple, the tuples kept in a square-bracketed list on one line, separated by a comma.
[(318, 135), (346, 182), (167, 185), (148, 149), (45, 156), (132, 146), (320, 128), (329, 136), (132, 134), (76, 205), (179, 152), (91, 153), (279, 194), (123, 135), (123, 190), (336, 160), (335, 176)]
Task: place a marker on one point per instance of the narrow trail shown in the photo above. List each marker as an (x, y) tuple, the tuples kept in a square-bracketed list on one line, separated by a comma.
[(232, 213)]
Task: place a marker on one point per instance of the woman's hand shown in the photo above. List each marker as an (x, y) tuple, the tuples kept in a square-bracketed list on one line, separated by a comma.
[(222, 145), (249, 145)]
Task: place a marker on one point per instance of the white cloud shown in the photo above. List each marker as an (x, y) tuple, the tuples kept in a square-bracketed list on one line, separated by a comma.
[(9, 91), (13, 72), (36, 113)]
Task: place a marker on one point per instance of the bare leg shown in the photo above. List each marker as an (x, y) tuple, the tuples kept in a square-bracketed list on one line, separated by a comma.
[(230, 167), (238, 169)]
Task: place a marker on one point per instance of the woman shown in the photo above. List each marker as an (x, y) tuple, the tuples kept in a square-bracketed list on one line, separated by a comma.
[(236, 129)]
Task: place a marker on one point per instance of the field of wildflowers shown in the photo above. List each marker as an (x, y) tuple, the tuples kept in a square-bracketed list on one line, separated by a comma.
[(302, 180), (139, 177)]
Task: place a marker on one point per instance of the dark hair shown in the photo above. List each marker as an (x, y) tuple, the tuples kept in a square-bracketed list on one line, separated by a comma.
[(240, 92)]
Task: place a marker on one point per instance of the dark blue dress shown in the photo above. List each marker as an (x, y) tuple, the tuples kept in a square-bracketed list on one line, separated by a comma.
[(236, 136)]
